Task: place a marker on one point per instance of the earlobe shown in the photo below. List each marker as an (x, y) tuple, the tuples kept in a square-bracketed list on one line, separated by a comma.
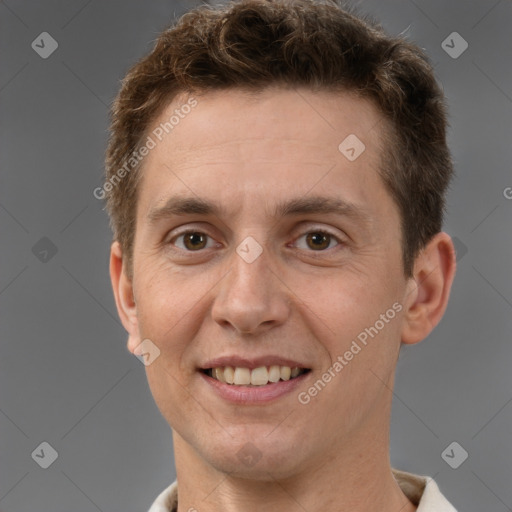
[(429, 290), (123, 293)]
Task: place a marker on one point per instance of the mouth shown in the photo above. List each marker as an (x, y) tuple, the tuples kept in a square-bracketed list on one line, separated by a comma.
[(256, 377)]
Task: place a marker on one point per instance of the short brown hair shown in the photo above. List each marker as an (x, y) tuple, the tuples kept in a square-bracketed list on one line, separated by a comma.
[(254, 44)]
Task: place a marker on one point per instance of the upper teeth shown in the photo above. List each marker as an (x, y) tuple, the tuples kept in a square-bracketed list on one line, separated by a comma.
[(257, 377)]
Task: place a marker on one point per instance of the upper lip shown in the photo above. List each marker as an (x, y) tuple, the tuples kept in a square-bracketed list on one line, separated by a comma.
[(244, 362)]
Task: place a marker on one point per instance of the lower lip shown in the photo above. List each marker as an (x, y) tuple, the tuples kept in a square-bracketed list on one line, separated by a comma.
[(253, 394)]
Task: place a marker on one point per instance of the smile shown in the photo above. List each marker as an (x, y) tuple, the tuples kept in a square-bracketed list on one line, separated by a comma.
[(261, 376)]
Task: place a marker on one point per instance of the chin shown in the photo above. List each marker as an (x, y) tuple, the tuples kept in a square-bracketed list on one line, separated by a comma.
[(256, 458)]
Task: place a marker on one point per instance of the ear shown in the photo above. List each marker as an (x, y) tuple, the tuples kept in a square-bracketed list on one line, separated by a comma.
[(429, 288), (123, 294)]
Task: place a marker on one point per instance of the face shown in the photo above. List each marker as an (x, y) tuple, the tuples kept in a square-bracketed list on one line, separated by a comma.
[(262, 244)]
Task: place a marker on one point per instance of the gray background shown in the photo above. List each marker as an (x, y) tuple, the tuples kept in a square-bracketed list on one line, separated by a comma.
[(65, 375)]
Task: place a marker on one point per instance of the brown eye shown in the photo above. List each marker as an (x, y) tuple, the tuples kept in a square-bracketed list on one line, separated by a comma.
[(192, 241), (318, 241)]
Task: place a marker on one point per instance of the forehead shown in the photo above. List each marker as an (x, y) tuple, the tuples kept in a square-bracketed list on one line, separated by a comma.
[(276, 113), (238, 147)]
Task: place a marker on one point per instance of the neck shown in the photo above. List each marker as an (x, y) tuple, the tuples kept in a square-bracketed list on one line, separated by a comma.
[(356, 475)]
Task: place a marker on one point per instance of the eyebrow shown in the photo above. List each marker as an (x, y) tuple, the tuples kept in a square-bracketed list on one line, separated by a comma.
[(179, 205)]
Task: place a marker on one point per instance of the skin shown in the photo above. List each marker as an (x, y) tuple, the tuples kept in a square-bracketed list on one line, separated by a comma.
[(295, 300)]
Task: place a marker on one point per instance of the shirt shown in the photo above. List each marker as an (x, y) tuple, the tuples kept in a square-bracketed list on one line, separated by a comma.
[(421, 490)]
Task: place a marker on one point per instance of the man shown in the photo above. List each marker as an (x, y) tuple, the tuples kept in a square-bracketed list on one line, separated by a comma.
[(275, 179)]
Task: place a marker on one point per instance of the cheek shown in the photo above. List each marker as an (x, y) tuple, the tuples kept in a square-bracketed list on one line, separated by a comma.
[(356, 316), (171, 305), (344, 301), (170, 309), (358, 328)]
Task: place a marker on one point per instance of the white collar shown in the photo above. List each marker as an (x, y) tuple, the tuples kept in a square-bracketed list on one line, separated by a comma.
[(421, 490)]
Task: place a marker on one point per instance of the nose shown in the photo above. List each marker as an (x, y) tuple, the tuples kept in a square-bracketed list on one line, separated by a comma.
[(251, 298)]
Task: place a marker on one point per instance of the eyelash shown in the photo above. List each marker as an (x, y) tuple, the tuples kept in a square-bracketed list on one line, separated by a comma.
[(311, 231)]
